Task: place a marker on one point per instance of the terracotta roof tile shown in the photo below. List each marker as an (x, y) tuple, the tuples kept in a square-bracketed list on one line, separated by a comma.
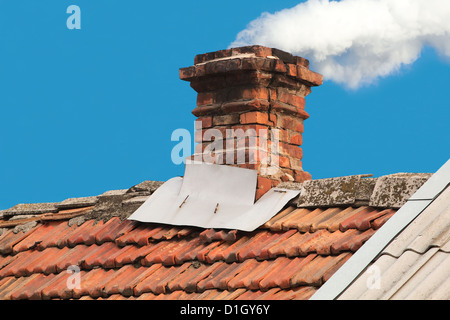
[(378, 222), (34, 237), (101, 256), (313, 272), (289, 257), (57, 287), (332, 224), (210, 235), (353, 220), (113, 229), (49, 239), (275, 223), (14, 286), (9, 239), (127, 278), (33, 285)]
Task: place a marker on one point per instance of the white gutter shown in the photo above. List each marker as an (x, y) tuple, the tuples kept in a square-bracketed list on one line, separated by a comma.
[(370, 250)]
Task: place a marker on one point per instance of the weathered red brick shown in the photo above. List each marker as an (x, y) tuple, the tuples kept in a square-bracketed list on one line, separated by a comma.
[(223, 53), (251, 156), (283, 135), (248, 93), (259, 193), (280, 66), (292, 99), (255, 117), (252, 166), (301, 176), (226, 119), (289, 122), (309, 77), (291, 70), (272, 94), (290, 150), (187, 73), (204, 98), (272, 119), (210, 134), (296, 164), (283, 55), (296, 139), (259, 64), (301, 61), (264, 183), (206, 110), (259, 51), (240, 106), (284, 81), (200, 58), (289, 109), (284, 161), (204, 122), (255, 130), (288, 175)]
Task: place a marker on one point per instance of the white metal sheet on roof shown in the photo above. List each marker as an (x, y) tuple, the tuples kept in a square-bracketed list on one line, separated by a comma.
[(416, 264), (411, 276), (346, 280), (431, 228), (213, 196)]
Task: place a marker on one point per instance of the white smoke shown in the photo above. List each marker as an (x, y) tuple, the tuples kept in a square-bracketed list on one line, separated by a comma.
[(354, 42)]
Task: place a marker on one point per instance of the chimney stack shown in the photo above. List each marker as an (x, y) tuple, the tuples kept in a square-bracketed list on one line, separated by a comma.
[(250, 109)]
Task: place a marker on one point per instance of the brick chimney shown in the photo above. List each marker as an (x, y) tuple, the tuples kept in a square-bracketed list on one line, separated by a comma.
[(250, 109)]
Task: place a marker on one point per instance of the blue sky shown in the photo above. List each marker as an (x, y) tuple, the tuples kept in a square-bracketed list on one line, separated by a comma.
[(90, 110)]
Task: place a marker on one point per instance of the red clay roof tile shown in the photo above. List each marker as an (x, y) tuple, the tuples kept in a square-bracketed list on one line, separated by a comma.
[(84, 234), (32, 238), (168, 275), (249, 295), (289, 257), (352, 220), (158, 254), (268, 295), (335, 266), (127, 278), (74, 256), (181, 277), (265, 252), (203, 252), (44, 262), (100, 255), (210, 235), (31, 291), (378, 222), (282, 278), (60, 229), (9, 239), (266, 278), (139, 236), (320, 221), (57, 287), (240, 273), (191, 285), (14, 286), (293, 220), (332, 224), (271, 223), (113, 229)]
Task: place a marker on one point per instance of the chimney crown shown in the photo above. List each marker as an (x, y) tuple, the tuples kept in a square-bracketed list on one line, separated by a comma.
[(257, 91)]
